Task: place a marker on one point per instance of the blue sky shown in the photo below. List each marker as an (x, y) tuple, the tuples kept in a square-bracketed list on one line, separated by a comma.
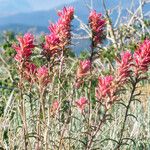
[(11, 7), (8, 7), (47, 4)]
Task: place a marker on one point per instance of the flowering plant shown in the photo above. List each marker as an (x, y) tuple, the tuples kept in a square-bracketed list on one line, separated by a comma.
[(61, 101)]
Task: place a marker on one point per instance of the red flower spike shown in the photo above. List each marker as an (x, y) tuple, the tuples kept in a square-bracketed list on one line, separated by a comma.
[(83, 69), (24, 49), (66, 13), (51, 46), (30, 71), (142, 57), (97, 25), (60, 33), (81, 103), (104, 87), (42, 76), (124, 66)]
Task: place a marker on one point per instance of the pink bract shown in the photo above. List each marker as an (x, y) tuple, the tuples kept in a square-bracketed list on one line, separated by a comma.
[(43, 76), (142, 57), (24, 48), (124, 66), (83, 69), (104, 86), (51, 44), (97, 25), (55, 105), (81, 103), (30, 71), (66, 13)]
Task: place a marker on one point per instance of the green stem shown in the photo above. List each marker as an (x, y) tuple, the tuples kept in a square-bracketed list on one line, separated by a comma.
[(126, 114), (89, 145), (23, 109)]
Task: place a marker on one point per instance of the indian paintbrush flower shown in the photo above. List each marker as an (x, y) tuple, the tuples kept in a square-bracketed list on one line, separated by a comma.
[(42, 76), (81, 103), (60, 33), (30, 71), (51, 46), (97, 24), (124, 65), (24, 48), (104, 86), (142, 57), (83, 68)]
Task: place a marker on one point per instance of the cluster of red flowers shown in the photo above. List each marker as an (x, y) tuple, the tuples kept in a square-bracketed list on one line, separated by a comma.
[(39, 75), (24, 48), (60, 33), (97, 24), (127, 66), (24, 51), (59, 37)]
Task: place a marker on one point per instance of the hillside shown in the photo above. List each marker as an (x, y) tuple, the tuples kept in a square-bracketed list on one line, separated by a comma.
[(40, 19)]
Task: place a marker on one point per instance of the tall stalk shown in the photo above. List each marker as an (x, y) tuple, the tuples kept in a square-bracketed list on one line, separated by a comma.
[(134, 83), (48, 120), (22, 107), (59, 97), (90, 143)]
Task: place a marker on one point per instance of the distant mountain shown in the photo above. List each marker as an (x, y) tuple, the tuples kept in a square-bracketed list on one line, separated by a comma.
[(42, 18), (21, 28), (38, 21), (38, 18), (22, 12)]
